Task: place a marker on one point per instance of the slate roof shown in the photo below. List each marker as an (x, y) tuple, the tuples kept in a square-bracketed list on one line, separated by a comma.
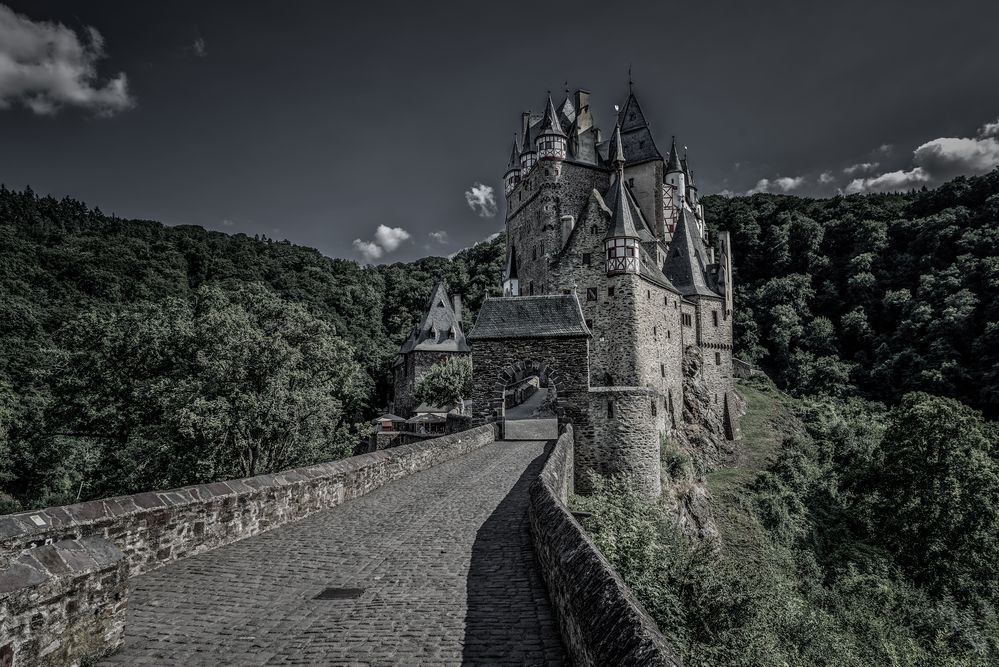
[(546, 316), (432, 333), (567, 112), (511, 264), (673, 164), (622, 221), (389, 417), (551, 124), (639, 145), (641, 224), (686, 261), (514, 154)]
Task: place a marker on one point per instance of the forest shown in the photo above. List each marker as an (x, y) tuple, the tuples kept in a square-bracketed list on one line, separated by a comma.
[(135, 355)]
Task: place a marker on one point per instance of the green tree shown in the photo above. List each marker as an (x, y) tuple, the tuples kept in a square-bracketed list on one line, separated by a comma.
[(446, 383)]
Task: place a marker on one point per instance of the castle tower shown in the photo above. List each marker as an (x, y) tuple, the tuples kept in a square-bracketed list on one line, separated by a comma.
[(512, 175), (621, 242), (528, 155), (676, 178), (552, 140), (511, 283)]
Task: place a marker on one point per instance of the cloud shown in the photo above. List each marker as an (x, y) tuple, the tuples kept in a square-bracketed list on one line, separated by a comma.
[(779, 184), (889, 182), (386, 239), (826, 178), (199, 47), (482, 199), (45, 66), (228, 223), (885, 149), (861, 168), (937, 161), (440, 237)]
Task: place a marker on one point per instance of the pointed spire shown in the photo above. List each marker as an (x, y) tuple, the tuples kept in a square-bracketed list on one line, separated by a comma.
[(511, 264), (617, 157), (673, 164), (551, 124), (515, 154), (622, 222)]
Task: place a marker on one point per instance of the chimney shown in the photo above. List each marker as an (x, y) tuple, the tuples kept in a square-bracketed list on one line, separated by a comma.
[(599, 135), (584, 119), (456, 299)]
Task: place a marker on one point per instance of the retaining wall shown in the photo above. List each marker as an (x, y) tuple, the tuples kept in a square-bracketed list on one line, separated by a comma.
[(599, 618), (64, 570)]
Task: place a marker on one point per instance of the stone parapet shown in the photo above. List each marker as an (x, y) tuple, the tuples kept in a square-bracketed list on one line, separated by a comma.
[(599, 618)]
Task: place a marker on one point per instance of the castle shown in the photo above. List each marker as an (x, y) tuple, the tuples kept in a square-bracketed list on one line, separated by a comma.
[(610, 288)]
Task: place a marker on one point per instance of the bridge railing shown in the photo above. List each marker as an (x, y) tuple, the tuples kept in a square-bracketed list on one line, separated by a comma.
[(599, 618), (64, 570)]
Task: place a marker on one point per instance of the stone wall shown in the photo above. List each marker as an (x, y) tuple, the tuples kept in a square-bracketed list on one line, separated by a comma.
[(600, 620), (623, 443), (62, 601), (64, 570)]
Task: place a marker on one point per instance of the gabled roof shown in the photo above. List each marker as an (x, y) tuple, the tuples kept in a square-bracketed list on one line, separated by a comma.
[(547, 316), (433, 333), (566, 111), (639, 144), (550, 124), (389, 417), (686, 261)]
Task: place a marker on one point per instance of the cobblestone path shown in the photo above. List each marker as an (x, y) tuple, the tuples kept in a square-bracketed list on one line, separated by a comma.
[(444, 557)]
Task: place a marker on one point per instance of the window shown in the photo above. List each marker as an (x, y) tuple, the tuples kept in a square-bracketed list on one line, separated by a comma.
[(535, 252), (662, 369), (665, 300), (589, 324), (631, 182), (587, 258), (451, 333), (648, 294), (688, 321), (530, 288), (610, 291), (591, 293), (654, 332), (714, 316), (565, 291), (654, 412), (717, 358), (668, 333), (610, 409), (593, 230)]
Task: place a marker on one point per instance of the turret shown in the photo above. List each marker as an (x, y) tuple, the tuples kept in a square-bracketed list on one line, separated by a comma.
[(512, 176), (511, 283), (621, 242), (528, 156), (551, 143), (675, 177)]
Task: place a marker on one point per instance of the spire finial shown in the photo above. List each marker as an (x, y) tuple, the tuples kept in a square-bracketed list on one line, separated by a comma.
[(630, 82)]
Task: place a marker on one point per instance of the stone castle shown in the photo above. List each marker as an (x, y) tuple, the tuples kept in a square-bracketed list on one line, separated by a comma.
[(611, 285)]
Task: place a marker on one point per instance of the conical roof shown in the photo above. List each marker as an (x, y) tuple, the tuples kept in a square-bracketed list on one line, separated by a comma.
[(673, 164), (515, 154), (436, 325), (511, 264), (686, 260), (622, 221), (551, 124), (616, 151)]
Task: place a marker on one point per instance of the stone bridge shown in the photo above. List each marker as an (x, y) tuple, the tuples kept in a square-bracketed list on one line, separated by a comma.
[(458, 550)]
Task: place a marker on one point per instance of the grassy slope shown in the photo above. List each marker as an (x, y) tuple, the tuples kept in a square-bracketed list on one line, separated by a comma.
[(768, 420)]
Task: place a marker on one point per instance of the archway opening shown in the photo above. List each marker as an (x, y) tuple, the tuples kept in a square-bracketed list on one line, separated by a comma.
[(530, 403)]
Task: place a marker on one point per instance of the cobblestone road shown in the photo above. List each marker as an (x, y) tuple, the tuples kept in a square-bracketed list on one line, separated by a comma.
[(444, 557)]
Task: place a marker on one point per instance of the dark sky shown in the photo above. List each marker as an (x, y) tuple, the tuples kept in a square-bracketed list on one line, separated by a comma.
[(319, 121)]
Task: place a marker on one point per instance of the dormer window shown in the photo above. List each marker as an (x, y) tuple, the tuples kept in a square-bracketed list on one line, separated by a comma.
[(451, 334)]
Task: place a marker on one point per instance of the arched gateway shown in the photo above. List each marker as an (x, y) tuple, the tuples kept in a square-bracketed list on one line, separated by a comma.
[(518, 338)]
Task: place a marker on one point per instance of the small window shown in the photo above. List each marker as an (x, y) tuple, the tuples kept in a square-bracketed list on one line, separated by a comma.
[(631, 182), (714, 316), (589, 324), (610, 291), (530, 288), (665, 300), (688, 321), (717, 358), (565, 291), (654, 411), (591, 293), (668, 333), (648, 294), (593, 230), (587, 258), (535, 252), (610, 409), (662, 369), (654, 332)]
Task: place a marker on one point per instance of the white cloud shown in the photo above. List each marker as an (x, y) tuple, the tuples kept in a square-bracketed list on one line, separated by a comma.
[(481, 199), (386, 239), (861, 168), (368, 250), (889, 182), (886, 149), (440, 237), (826, 177), (199, 47), (228, 223), (779, 184), (390, 238), (948, 157), (45, 66), (989, 129)]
